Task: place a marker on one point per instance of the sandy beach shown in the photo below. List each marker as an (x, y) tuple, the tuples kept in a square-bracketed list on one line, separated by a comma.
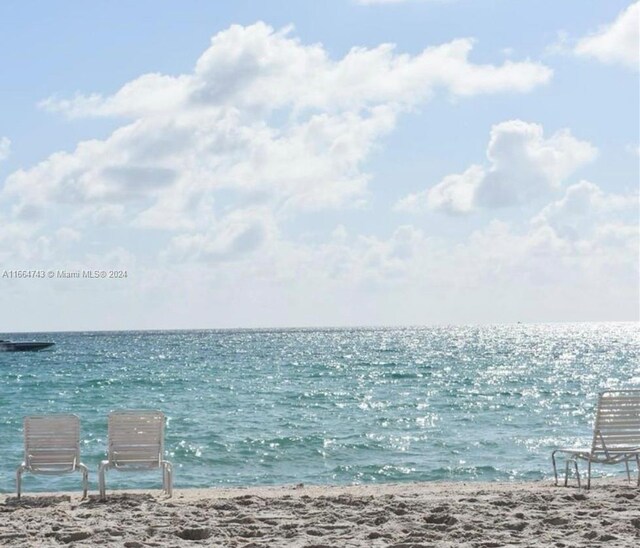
[(390, 515)]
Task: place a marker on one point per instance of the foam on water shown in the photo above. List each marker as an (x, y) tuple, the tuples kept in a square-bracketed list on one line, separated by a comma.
[(251, 407)]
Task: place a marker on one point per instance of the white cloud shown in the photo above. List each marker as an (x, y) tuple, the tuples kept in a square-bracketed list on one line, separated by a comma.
[(615, 43), (23, 243), (582, 204), (237, 234), (533, 270), (583, 229), (68, 235), (454, 194), (15, 238), (523, 165), (256, 68), (5, 148), (219, 161), (576, 259), (262, 121)]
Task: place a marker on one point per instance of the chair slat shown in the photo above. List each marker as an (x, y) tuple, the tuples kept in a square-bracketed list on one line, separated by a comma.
[(51, 446), (617, 424), (141, 430), (136, 441)]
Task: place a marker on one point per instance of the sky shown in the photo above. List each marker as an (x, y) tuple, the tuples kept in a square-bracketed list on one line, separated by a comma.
[(265, 163)]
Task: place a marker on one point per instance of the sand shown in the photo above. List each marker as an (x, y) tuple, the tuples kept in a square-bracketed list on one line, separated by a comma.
[(397, 515)]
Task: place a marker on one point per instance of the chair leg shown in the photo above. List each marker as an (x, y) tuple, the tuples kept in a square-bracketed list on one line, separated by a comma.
[(555, 471), (589, 474), (21, 469), (567, 466), (101, 479), (638, 467), (626, 464), (167, 477), (85, 480)]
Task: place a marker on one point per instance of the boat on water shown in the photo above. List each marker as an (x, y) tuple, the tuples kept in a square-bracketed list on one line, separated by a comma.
[(8, 346)]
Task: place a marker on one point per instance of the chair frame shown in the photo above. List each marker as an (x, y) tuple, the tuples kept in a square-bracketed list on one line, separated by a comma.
[(136, 443), (47, 452), (616, 436)]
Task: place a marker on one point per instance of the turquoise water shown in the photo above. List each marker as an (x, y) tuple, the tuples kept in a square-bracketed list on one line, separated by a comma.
[(249, 407)]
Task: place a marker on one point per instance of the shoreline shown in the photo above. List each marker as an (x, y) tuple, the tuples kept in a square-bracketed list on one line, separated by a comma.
[(471, 514)]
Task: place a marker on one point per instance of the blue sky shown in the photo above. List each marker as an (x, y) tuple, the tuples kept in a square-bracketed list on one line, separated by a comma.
[(297, 171)]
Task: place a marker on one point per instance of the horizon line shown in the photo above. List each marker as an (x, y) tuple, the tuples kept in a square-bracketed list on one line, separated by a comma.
[(328, 327)]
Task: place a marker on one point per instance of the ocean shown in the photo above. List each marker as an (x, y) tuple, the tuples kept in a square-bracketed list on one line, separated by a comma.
[(325, 406)]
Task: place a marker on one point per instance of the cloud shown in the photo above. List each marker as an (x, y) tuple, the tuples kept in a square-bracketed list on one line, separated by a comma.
[(523, 165), (617, 42), (23, 244), (388, 261), (576, 258), (531, 270), (219, 161), (68, 235), (233, 237), (582, 204), (254, 68), (262, 120), (454, 194), (5, 148), (578, 230)]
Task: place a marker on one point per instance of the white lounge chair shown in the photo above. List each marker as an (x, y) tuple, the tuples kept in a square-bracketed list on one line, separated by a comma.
[(616, 436), (52, 446), (136, 442)]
